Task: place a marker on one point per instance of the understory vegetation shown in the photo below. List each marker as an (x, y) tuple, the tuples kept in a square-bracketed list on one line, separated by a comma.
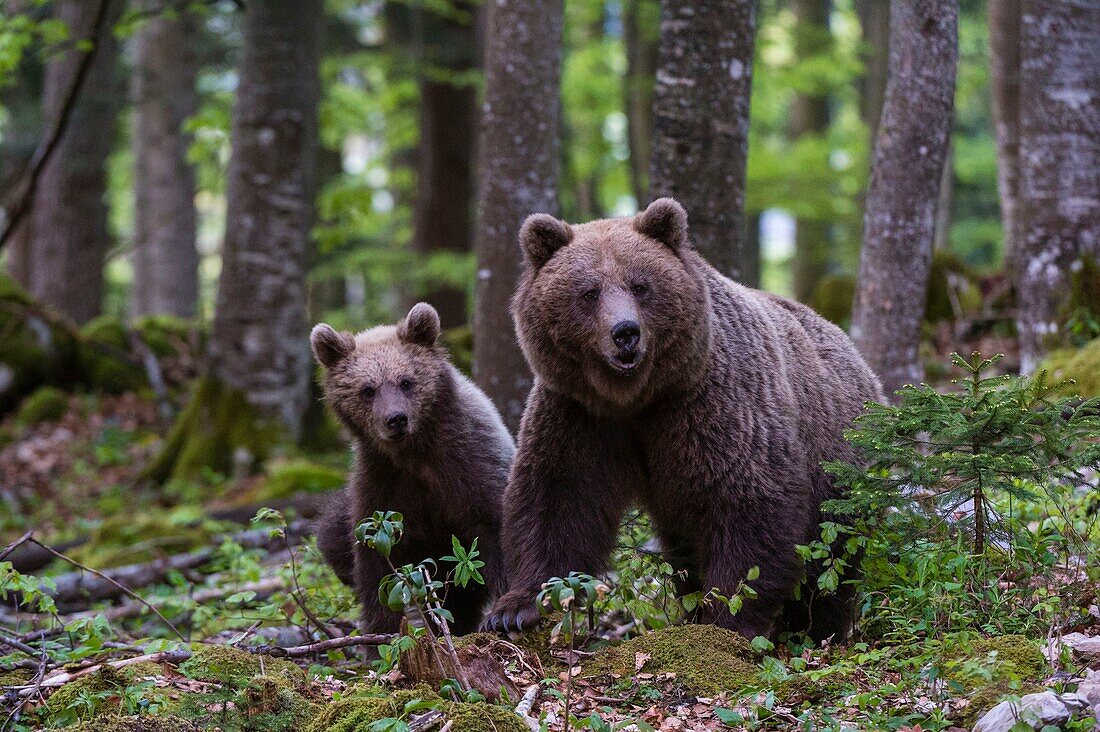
[(976, 521)]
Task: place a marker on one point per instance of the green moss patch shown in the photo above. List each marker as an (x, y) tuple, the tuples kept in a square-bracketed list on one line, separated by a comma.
[(814, 688), (987, 697), (45, 404), (1083, 366), (164, 334), (130, 539), (1002, 659), (706, 660), (300, 476), (357, 712), (228, 665), (103, 357), (144, 723)]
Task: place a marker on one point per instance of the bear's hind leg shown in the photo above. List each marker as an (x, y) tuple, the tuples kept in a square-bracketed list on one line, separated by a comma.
[(335, 539)]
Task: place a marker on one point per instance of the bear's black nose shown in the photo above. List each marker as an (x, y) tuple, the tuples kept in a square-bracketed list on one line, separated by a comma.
[(625, 334), (397, 422)]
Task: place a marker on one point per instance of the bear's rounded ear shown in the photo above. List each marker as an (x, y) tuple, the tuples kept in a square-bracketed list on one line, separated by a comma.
[(329, 346), (541, 236), (420, 326), (666, 221)]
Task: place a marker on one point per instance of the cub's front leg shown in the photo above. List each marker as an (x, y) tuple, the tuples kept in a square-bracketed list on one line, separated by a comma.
[(368, 572), (567, 491)]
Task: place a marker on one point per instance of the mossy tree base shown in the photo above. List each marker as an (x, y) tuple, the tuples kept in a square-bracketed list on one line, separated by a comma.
[(217, 431)]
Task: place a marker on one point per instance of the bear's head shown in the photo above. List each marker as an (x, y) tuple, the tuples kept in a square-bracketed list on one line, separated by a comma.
[(384, 382), (613, 312)]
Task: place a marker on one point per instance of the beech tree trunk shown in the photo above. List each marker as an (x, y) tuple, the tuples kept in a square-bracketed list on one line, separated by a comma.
[(69, 219), (1059, 188), (443, 219), (909, 155), (259, 343), (810, 117), (519, 176), (22, 102), (701, 121), (1004, 72), (165, 70), (641, 30)]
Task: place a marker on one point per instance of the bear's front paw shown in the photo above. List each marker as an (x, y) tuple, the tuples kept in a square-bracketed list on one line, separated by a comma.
[(514, 611)]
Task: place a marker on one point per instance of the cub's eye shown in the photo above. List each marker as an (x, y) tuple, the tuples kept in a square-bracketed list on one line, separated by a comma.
[(638, 290), (368, 391), (405, 385), (591, 295)]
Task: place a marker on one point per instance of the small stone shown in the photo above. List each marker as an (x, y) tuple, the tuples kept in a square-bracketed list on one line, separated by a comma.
[(1086, 648), (1037, 710)]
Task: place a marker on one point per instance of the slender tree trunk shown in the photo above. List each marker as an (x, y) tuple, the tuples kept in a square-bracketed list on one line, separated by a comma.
[(446, 185), (942, 237), (1059, 187), (701, 121), (1004, 61), (810, 117), (519, 176), (70, 215), (259, 343), (899, 222), (641, 30), (874, 18), (165, 70), (22, 102)]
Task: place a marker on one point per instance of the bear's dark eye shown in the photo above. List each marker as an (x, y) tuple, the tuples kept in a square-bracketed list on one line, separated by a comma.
[(405, 385), (638, 290), (368, 391), (591, 295)]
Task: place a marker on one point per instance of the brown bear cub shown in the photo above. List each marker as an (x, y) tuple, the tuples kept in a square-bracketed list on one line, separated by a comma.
[(427, 443), (662, 383)]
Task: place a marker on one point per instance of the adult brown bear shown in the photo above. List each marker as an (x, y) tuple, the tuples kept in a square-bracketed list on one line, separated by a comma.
[(661, 382)]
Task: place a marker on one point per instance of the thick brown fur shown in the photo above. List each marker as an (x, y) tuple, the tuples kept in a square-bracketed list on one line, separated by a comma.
[(714, 415), (427, 443)]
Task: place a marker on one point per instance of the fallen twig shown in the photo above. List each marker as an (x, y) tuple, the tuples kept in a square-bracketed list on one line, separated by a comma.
[(61, 678), (376, 639), (526, 704), (16, 544)]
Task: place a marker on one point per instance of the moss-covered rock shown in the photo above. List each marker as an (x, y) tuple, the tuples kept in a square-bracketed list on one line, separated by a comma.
[(1081, 365), (144, 723), (286, 478), (1001, 659), (103, 357), (356, 712), (987, 697), (164, 334), (706, 659), (217, 423), (33, 349), (45, 404), (229, 665), (832, 298)]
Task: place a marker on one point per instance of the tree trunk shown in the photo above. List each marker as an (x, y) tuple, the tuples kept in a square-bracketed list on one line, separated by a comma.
[(443, 214), (874, 19), (519, 176), (641, 31), (165, 70), (1004, 72), (1059, 189), (810, 117), (22, 102), (259, 342), (909, 154), (70, 215), (701, 121)]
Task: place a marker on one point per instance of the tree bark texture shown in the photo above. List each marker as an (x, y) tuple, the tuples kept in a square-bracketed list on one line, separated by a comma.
[(874, 19), (519, 176), (641, 30), (22, 101), (701, 121), (810, 117), (165, 71), (907, 166), (1004, 72), (259, 343), (69, 218), (443, 218), (1059, 185)]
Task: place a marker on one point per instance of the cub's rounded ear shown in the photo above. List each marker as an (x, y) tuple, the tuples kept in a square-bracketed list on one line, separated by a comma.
[(541, 236), (666, 221), (420, 326), (329, 346)]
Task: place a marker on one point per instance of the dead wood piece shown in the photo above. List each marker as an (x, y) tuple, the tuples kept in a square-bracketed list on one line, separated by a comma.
[(481, 665), (324, 645)]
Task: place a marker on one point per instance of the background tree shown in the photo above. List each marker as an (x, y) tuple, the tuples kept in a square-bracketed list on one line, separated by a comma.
[(164, 75), (1059, 191), (810, 118), (874, 20), (259, 342), (1004, 62), (443, 218), (641, 32), (701, 121), (909, 155), (69, 222), (519, 167)]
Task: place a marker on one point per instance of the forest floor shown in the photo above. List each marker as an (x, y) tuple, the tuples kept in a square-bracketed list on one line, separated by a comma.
[(206, 575)]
